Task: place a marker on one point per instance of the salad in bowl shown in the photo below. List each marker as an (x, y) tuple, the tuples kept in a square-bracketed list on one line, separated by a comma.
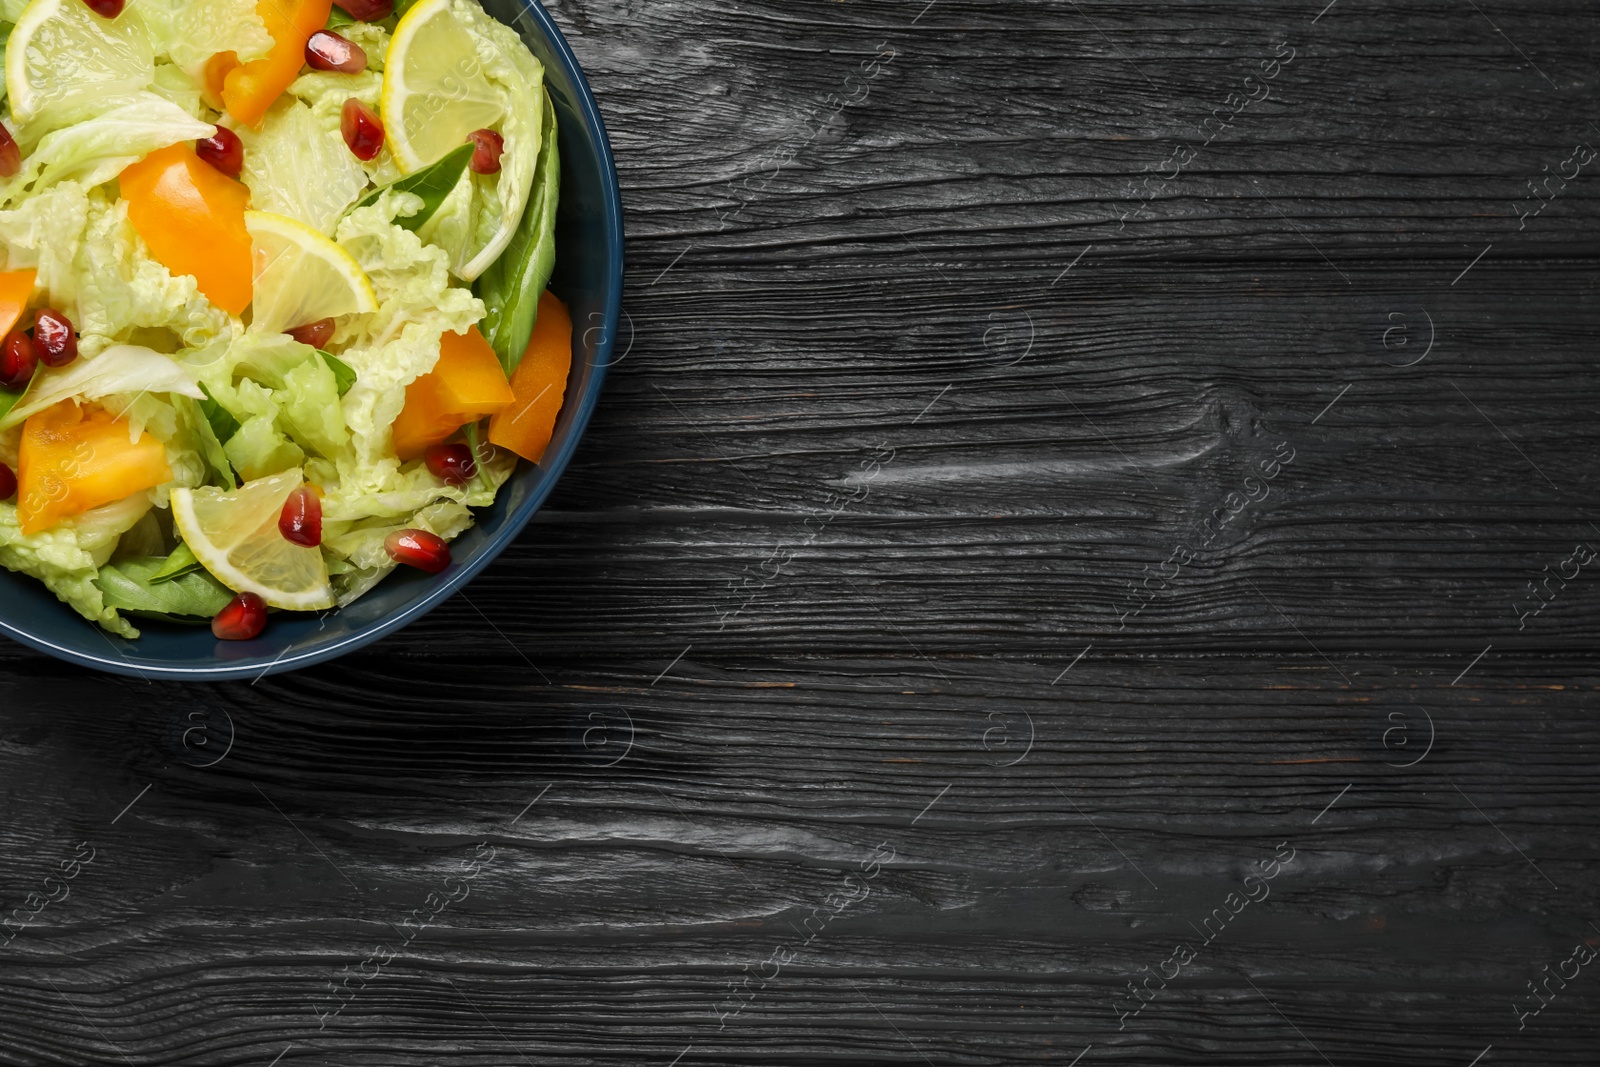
[(272, 297)]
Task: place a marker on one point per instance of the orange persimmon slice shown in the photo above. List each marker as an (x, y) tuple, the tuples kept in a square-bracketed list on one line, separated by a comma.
[(250, 88), (540, 384), (215, 76), (73, 459), (465, 385), (192, 217), (16, 287)]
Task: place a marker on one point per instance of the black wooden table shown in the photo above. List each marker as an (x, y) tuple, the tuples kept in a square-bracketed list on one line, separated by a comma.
[(1086, 556)]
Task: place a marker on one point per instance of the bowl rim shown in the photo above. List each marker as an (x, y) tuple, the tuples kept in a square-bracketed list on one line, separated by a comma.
[(259, 666)]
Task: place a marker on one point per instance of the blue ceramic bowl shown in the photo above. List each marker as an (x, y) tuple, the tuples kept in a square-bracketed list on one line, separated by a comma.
[(588, 276)]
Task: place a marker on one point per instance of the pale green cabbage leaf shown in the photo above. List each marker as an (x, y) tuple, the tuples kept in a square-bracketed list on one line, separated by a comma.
[(98, 149), (469, 224), (120, 369), (281, 160), (192, 31), (67, 557)]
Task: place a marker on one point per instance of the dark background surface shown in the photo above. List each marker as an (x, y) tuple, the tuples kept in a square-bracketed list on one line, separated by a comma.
[(1005, 531)]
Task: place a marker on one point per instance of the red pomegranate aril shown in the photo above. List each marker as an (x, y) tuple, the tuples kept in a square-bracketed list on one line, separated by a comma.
[(8, 482), (316, 334), (55, 342), (451, 464), (362, 129), (243, 618), (300, 521), (222, 150), (487, 148), (326, 50), (366, 10), (106, 9), (10, 154), (18, 361), (419, 549)]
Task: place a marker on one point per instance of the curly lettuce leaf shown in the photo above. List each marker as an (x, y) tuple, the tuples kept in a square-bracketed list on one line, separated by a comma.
[(362, 546), (92, 265), (299, 166), (417, 304), (312, 412), (192, 31), (121, 369), (260, 449), (98, 149), (67, 557)]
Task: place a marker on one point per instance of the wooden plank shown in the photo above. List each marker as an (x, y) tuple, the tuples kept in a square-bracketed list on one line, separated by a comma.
[(862, 589)]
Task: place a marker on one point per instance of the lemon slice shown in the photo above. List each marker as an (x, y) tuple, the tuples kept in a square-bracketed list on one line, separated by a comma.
[(235, 536), (435, 90), (300, 276), (61, 54), (451, 70)]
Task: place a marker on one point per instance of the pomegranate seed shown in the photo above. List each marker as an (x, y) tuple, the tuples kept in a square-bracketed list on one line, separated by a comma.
[(451, 464), (222, 150), (10, 154), (8, 483), (316, 334), (326, 50), (54, 340), (17, 361), (366, 10), (300, 521), (363, 130), (243, 618), (419, 549), (106, 9), (488, 146)]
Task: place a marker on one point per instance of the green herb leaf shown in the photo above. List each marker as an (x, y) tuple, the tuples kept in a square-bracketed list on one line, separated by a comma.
[(202, 428), (5, 40), (223, 424), (511, 286), (191, 598), (181, 562), (9, 400), (343, 373), (432, 183)]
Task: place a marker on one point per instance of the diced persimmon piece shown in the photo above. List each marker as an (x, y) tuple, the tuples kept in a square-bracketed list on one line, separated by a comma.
[(73, 459), (540, 384), (250, 88), (470, 377), (215, 76), (465, 385), (16, 288), (423, 422), (192, 217)]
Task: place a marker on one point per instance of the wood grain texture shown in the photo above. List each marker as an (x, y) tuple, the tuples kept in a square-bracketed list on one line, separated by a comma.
[(934, 631)]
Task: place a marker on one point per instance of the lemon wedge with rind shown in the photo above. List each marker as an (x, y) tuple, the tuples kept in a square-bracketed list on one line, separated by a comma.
[(235, 536), (451, 70), (61, 56), (300, 277), (435, 88)]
